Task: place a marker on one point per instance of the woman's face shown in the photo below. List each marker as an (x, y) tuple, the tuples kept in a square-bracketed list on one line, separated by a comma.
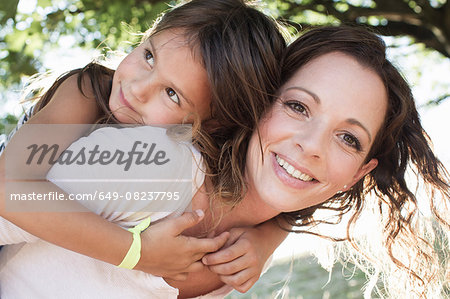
[(317, 135)]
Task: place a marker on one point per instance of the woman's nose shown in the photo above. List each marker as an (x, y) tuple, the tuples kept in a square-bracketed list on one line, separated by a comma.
[(313, 141)]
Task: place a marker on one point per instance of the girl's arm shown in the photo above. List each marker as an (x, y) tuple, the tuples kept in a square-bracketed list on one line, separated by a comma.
[(85, 232), (68, 106)]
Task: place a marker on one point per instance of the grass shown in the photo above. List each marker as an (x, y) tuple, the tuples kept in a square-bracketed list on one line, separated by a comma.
[(303, 278)]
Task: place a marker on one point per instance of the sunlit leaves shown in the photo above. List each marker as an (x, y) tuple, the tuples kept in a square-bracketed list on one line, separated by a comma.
[(7, 10), (44, 24)]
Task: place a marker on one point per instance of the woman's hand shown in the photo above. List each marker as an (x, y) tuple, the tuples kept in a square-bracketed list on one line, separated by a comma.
[(167, 253), (241, 260)]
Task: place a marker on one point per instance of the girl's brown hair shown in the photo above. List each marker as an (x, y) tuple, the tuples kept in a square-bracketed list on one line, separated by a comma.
[(240, 48), (401, 142)]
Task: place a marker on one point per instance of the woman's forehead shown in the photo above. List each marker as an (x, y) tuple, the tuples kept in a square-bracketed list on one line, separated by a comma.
[(339, 82)]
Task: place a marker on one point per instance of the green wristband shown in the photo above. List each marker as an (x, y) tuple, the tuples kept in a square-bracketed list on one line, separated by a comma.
[(134, 253)]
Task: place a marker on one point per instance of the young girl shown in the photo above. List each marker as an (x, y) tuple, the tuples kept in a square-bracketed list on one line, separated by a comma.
[(201, 61)]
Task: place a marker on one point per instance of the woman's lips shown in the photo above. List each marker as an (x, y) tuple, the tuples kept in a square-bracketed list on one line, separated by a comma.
[(124, 101), (288, 179)]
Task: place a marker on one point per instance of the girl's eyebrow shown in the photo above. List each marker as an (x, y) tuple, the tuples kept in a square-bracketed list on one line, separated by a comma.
[(175, 87), (152, 47), (178, 90), (351, 121)]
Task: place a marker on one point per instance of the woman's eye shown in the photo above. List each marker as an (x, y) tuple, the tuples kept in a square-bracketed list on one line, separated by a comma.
[(149, 57), (297, 107), (173, 95), (352, 141)]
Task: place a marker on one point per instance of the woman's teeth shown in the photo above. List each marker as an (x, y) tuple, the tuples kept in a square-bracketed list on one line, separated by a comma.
[(292, 171)]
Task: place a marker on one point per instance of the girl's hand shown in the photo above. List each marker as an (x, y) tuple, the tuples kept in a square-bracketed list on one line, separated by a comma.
[(167, 253), (240, 262)]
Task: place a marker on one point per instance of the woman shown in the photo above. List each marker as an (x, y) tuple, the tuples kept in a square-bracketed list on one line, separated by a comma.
[(400, 143), (324, 143)]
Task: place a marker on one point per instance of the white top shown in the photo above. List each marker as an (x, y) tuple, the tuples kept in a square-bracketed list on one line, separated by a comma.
[(33, 268)]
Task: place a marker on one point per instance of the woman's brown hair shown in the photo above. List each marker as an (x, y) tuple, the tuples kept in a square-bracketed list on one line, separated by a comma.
[(400, 143)]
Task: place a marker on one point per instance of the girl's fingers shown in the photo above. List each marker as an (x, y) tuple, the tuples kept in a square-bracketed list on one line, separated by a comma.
[(239, 280), (177, 277), (226, 254), (206, 245), (246, 285), (185, 221), (195, 267), (232, 267)]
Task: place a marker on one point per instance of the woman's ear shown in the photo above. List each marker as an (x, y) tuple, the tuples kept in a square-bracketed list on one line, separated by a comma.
[(365, 169)]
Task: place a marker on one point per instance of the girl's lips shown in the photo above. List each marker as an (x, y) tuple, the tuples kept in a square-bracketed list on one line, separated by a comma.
[(286, 178), (124, 101)]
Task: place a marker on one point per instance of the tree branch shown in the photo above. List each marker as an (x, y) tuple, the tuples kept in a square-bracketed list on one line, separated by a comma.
[(428, 26)]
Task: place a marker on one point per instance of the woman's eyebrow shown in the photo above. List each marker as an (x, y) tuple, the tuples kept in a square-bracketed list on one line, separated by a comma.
[(351, 121), (312, 94), (356, 122)]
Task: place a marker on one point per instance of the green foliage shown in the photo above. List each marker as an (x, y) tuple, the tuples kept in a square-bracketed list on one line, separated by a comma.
[(24, 37), (7, 123), (8, 10)]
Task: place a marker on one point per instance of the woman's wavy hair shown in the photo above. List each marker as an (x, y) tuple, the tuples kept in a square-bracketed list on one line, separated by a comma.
[(401, 142), (240, 48)]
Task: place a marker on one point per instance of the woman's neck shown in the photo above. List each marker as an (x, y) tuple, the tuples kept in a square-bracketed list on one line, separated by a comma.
[(249, 211)]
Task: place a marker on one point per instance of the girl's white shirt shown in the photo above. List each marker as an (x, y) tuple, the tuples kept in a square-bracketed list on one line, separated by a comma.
[(33, 268)]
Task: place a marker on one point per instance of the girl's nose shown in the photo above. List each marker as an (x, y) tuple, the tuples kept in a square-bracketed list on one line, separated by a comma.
[(143, 88)]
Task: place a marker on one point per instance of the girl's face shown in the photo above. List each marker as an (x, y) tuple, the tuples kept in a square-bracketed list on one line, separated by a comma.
[(316, 137), (161, 82)]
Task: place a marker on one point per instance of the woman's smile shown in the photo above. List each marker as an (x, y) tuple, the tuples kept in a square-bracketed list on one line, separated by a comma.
[(291, 175)]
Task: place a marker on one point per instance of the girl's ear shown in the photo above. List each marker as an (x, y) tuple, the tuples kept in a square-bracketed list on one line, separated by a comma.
[(365, 169)]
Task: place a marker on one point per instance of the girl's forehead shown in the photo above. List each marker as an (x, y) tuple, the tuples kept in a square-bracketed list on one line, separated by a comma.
[(171, 39)]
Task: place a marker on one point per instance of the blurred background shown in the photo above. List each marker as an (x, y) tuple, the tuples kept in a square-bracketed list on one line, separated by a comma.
[(59, 35)]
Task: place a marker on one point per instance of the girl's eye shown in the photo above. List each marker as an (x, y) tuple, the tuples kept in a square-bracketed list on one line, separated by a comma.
[(173, 95), (297, 107), (149, 57), (352, 141)]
